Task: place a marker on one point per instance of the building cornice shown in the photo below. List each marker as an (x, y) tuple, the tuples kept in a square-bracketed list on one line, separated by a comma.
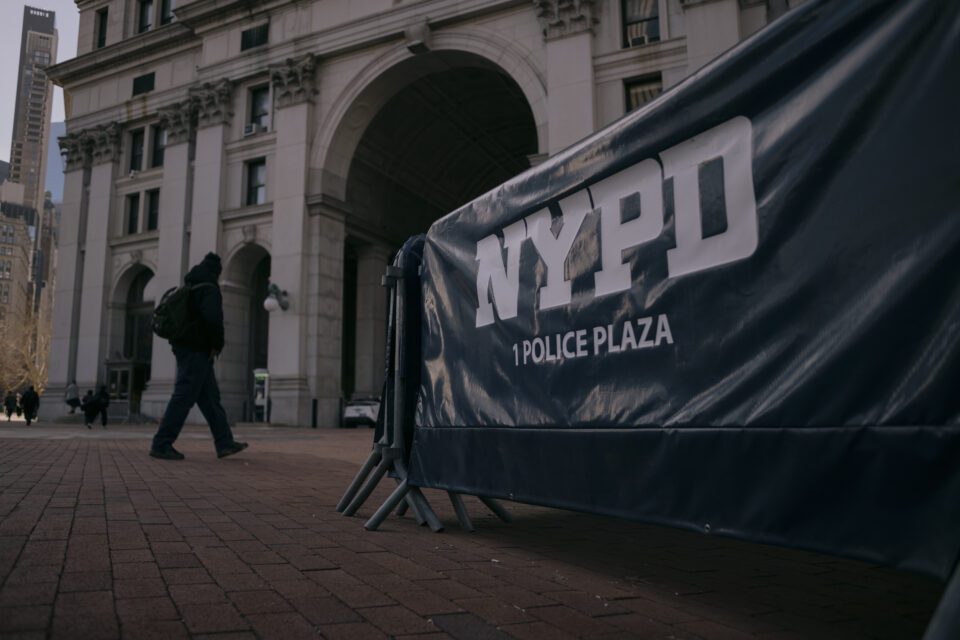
[(131, 51), (202, 13), (360, 33)]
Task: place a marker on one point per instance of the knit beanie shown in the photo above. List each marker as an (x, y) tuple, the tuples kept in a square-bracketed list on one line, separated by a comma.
[(211, 262)]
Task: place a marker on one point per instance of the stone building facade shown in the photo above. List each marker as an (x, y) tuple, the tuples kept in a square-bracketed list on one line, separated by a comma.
[(304, 141)]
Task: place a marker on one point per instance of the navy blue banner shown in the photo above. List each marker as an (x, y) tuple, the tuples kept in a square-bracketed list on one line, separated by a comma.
[(756, 273)]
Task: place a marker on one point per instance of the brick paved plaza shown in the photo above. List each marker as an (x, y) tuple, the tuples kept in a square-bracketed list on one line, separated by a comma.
[(99, 541)]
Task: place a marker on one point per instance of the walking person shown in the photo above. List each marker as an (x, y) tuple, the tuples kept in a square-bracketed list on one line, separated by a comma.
[(90, 408), (10, 404), (30, 402), (72, 396), (195, 353), (103, 401)]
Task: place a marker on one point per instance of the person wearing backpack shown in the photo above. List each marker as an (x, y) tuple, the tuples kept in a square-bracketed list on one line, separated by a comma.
[(191, 318)]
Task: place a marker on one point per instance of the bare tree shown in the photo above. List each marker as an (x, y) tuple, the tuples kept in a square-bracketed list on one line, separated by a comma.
[(24, 350)]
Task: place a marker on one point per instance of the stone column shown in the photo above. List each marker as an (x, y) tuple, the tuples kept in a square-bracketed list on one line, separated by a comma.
[(371, 320), (62, 366), (175, 200), (568, 34), (214, 111), (328, 320), (293, 90), (91, 342)]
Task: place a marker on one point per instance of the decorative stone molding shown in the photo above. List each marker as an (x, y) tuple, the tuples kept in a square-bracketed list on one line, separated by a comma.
[(104, 143), (559, 18), (249, 233), (213, 103), (179, 121), (75, 149), (419, 38), (293, 81), (136, 256)]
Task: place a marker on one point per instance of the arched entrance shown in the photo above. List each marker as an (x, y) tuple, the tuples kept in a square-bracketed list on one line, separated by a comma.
[(131, 340), (246, 328), (453, 126)]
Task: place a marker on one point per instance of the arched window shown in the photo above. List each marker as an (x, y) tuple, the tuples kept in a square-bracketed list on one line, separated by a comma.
[(138, 334)]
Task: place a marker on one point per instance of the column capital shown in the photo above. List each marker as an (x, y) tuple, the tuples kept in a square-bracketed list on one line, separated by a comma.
[(104, 142), (559, 18), (213, 102), (75, 149), (178, 120), (293, 81)]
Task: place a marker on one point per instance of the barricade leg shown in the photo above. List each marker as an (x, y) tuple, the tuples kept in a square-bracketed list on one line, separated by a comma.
[(372, 461), (461, 510), (361, 497), (420, 502), (381, 514), (497, 509)]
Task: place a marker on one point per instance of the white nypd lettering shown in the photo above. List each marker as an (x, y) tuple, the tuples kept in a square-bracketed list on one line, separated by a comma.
[(606, 339), (498, 277)]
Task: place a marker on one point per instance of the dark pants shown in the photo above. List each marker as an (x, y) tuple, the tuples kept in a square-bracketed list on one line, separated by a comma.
[(195, 384), (91, 410)]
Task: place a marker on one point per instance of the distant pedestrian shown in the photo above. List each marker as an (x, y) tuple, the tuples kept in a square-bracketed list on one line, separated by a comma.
[(10, 404), (90, 407), (72, 396), (195, 352), (30, 402), (103, 401)]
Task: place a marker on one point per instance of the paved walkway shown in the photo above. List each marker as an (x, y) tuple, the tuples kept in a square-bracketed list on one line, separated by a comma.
[(99, 541)]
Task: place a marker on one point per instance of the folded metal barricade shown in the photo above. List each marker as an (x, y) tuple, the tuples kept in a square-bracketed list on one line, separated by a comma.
[(395, 419)]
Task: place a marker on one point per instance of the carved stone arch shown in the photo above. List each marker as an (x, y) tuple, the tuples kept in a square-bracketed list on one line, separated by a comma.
[(357, 105), (125, 276), (235, 259)]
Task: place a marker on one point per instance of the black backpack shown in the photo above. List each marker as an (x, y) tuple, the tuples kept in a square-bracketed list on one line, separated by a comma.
[(171, 317)]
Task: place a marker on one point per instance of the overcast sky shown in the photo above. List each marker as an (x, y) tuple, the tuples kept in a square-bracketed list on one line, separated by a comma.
[(11, 22)]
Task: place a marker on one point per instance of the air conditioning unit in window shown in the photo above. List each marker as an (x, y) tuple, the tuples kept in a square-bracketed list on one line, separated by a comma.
[(251, 129)]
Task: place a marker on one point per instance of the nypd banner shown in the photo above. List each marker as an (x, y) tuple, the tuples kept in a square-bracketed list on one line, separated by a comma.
[(735, 310)]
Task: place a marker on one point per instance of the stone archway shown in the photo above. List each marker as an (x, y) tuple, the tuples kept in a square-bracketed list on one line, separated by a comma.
[(130, 342), (246, 327), (449, 125)]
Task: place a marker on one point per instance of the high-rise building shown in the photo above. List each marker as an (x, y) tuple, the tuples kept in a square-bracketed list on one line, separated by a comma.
[(34, 104)]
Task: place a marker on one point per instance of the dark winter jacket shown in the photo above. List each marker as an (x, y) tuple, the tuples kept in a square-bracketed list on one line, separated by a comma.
[(30, 401), (206, 307)]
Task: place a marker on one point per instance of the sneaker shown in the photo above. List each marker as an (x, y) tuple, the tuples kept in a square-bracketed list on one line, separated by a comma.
[(88, 426), (230, 449), (166, 454)]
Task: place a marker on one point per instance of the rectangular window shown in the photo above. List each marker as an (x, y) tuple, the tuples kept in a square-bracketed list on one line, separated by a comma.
[(260, 106), (101, 28), (133, 213), (256, 181), (158, 145), (254, 36), (641, 22), (144, 16), (166, 11), (136, 150), (143, 84), (153, 209), (640, 91)]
